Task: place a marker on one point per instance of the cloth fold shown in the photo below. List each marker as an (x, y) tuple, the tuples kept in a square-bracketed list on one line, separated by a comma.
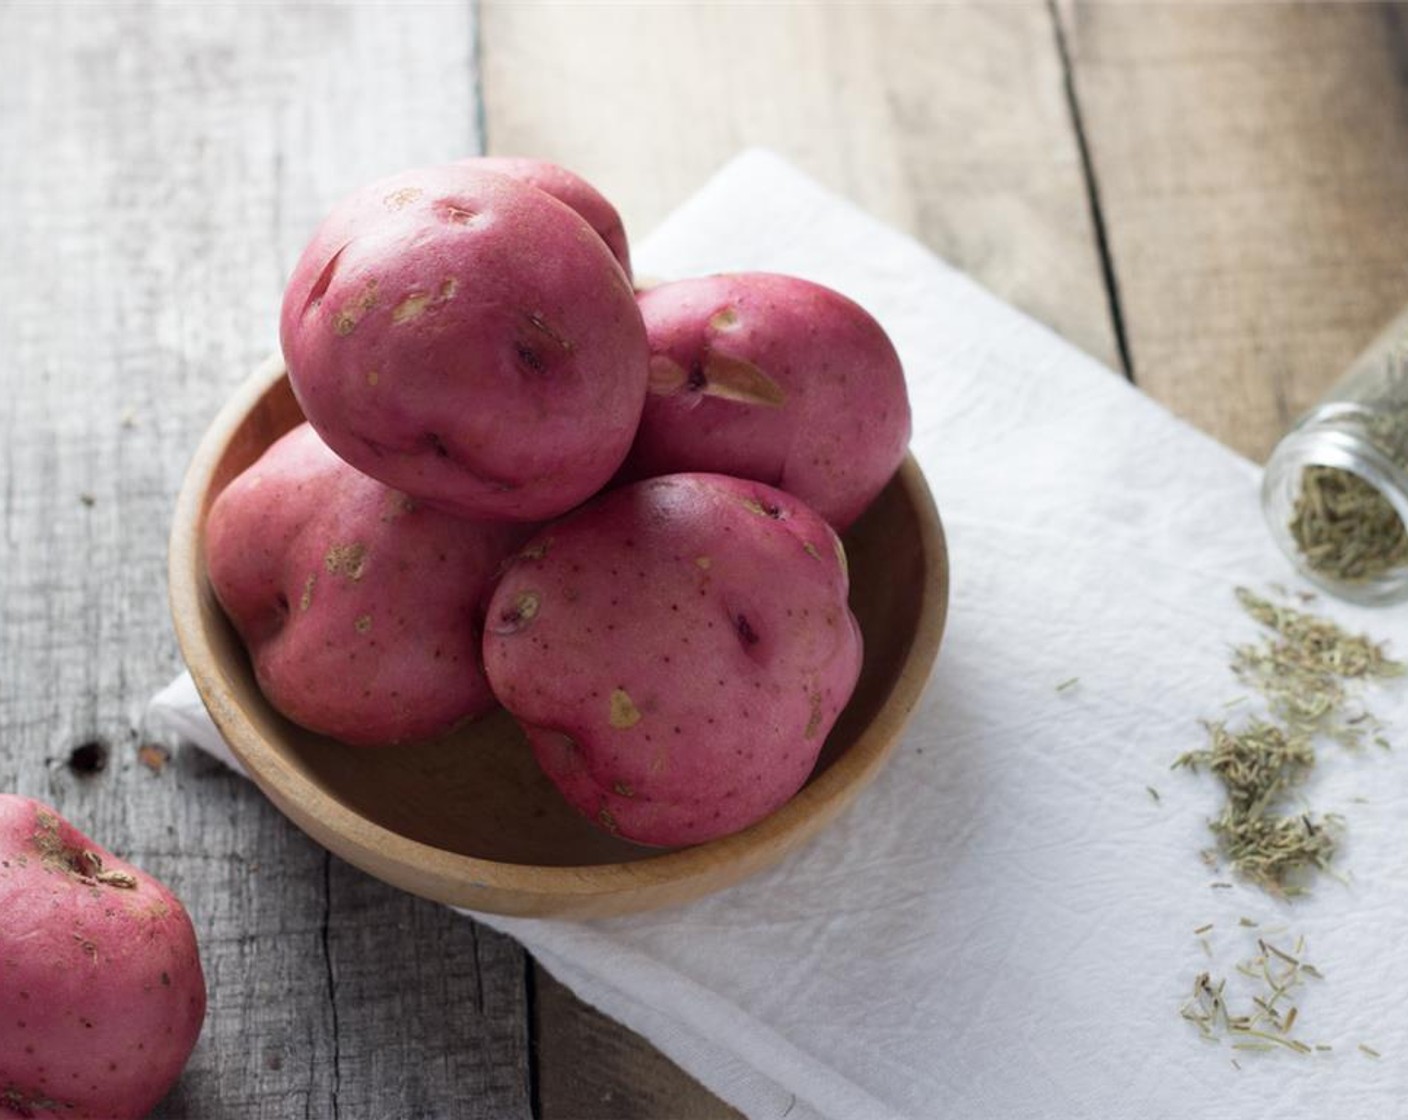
[(1003, 924)]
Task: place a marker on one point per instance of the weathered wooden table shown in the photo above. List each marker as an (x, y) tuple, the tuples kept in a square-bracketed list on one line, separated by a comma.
[(1212, 200)]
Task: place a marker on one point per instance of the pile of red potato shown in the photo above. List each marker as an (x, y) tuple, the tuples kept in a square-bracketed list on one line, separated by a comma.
[(522, 483)]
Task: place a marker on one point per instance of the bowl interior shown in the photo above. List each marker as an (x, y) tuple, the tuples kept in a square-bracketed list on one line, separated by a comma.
[(478, 792)]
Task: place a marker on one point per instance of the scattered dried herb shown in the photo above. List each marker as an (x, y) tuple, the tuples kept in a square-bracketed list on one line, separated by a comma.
[(1303, 666), (1259, 765), (1308, 671), (1270, 1016), (1306, 668)]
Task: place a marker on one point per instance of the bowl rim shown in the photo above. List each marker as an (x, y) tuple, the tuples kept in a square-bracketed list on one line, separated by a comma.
[(461, 879)]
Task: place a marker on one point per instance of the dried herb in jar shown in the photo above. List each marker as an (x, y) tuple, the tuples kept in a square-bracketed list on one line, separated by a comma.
[(1335, 490), (1344, 526)]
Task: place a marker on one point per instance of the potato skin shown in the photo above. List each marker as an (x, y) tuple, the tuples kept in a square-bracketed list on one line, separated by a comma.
[(570, 189), (359, 607), (676, 651), (828, 419), (468, 340), (101, 986)]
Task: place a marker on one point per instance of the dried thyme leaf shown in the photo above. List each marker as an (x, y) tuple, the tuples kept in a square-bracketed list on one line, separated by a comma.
[(1305, 669), (1312, 642), (1258, 765), (1271, 1017), (1302, 671), (1273, 851)]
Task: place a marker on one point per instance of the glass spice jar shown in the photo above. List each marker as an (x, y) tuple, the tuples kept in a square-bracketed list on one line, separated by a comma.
[(1335, 490)]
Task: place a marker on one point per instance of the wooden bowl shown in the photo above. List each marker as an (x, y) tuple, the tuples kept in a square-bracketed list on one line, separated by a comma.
[(470, 820)]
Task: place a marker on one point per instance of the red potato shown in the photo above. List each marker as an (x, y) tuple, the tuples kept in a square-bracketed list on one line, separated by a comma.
[(102, 996), (570, 189), (469, 341), (773, 378), (359, 607), (677, 652)]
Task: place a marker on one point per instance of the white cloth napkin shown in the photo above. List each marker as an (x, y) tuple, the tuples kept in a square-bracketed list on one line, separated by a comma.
[(1003, 924)]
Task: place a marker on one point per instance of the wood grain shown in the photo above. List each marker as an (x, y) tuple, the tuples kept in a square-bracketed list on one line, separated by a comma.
[(947, 120), (162, 166), (592, 1068), (1252, 167), (950, 121)]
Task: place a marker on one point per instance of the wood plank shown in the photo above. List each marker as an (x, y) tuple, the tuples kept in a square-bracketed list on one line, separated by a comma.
[(1252, 164), (950, 121), (163, 166), (589, 1067), (430, 1007)]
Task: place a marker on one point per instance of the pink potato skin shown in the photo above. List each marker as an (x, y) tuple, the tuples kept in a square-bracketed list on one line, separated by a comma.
[(676, 651), (360, 608), (837, 426), (570, 189), (102, 996), (468, 340)]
